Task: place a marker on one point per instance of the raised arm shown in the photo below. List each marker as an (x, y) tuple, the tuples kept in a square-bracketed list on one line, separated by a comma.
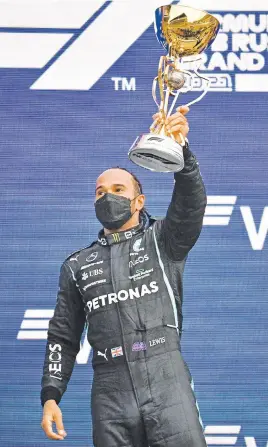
[(183, 222), (64, 335)]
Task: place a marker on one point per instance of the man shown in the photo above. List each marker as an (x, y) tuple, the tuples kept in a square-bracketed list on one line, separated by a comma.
[(127, 286)]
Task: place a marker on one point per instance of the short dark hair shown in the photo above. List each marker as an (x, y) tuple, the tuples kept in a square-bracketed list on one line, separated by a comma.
[(137, 183), (137, 188)]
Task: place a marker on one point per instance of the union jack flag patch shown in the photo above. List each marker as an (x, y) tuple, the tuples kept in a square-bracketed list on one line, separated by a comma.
[(116, 352)]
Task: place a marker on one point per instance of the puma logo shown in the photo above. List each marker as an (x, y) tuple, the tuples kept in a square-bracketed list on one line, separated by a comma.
[(103, 355)]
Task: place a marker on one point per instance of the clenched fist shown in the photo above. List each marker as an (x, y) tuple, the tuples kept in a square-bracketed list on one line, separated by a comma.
[(52, 413), (175, 124)]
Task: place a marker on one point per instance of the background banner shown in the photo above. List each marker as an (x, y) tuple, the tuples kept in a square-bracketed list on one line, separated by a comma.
[(75, 92)]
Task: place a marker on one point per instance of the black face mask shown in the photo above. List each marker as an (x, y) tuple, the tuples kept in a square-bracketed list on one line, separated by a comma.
[(113, 211)]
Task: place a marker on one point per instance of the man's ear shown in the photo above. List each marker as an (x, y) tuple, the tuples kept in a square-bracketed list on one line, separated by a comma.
[(141, 201)]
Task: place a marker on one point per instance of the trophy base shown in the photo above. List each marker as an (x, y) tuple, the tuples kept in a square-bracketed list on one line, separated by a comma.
[(157, 153)]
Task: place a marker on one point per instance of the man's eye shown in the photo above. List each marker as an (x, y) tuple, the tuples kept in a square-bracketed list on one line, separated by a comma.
[(119, 189)]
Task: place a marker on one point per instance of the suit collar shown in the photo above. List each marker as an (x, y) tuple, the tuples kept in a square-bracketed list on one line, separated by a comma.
[(119, 236)]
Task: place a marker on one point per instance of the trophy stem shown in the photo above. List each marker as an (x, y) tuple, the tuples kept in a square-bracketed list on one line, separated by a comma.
[(162, 132), (162, 63), (165, 108), (173, 103)]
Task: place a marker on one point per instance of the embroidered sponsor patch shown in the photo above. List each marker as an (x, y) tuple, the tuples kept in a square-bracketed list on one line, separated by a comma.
[(157, 341), (137, 245), (140, 274), (103, 354), (100, 281), (90, 265), (92, 257), (116, 352), (122, 295), (139, 346)]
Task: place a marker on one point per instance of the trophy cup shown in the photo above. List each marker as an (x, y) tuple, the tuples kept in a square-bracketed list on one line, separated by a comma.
[(185, 33)]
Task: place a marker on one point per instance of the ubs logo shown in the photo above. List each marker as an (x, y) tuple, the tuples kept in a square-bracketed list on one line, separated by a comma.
[(92, 273)]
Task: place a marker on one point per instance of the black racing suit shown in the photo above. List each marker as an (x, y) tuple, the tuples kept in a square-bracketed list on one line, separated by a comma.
[(127, 287)]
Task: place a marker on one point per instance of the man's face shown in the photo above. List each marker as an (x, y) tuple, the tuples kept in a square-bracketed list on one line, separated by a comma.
[(117, 181)]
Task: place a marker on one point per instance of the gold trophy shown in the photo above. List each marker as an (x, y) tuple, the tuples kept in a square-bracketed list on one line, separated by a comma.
[(185, 33)]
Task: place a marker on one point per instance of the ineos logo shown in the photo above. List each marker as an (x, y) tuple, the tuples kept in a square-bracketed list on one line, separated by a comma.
[(55, 361), (139, 260)]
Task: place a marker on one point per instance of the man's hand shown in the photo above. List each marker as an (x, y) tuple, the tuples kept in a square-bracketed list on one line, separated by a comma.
[(176, 123), (52, 413)]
